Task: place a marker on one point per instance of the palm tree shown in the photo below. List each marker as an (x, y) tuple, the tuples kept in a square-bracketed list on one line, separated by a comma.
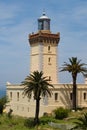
[(81, 123), (74, 67), (37, 84)]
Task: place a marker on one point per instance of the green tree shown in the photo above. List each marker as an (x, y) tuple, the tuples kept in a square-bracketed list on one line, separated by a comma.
[(81, 123), (74, 67), (39, 85)]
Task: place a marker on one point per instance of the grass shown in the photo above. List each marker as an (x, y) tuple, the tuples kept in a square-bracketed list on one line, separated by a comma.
[(17, 123), (14, 123)]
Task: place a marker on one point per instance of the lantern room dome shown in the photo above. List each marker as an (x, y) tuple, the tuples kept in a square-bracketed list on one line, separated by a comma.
[(44, 16)]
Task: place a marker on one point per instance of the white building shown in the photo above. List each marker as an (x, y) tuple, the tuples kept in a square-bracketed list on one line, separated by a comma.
[(44, 57)]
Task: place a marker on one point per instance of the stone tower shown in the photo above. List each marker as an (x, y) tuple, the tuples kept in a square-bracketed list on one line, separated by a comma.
[(43, 50)]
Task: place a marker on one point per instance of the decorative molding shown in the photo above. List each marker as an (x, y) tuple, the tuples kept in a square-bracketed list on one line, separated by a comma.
[(44, 37)]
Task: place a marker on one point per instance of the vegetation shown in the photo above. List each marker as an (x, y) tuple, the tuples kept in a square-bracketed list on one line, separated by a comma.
[(77, 119), (61, 113), (14, 123), (74, 67), (20, 123), (81, 123), (39, 85), (3, 101), (29, 123)]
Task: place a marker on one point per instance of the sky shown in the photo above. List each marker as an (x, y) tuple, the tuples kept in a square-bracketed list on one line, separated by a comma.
[(18, 18)]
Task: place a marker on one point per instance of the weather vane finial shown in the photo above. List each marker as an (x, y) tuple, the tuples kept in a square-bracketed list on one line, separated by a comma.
[(44, 13)]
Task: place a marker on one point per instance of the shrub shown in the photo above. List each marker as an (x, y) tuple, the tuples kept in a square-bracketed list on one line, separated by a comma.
[(46, 119), (1, 108), (61, 113), (29, 122), (3, 100)]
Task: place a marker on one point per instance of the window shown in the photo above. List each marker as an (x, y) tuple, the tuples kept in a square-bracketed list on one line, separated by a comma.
[(84, 96), (56, 97), (49, 59), (17, 96), (10, 95), (70, 96), (40, 25), (48, 48)]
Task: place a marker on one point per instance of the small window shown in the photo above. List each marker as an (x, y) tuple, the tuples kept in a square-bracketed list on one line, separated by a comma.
[(84, 96), (70, 96), (10, 95), (17, 96), (49, 59), (48, 48), (56, 96)]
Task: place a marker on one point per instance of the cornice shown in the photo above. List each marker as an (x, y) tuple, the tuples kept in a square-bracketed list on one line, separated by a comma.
[(44, 37)]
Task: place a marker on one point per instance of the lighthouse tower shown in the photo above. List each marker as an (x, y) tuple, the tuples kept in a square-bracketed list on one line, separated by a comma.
[(43, 50)]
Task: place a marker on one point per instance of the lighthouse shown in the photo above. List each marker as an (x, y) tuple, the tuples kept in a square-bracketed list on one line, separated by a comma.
[(44, 50), (44, 57)]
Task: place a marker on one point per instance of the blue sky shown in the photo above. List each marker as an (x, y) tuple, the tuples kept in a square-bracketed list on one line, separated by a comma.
[(19, 18)]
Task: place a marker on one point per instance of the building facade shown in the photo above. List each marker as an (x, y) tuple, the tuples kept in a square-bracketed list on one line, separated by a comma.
[(44, 57)]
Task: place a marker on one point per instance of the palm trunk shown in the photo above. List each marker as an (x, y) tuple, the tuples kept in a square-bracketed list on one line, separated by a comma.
[(36, 120), (74, 93)]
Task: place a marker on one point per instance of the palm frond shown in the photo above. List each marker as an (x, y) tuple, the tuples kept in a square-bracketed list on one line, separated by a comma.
[(75, 66), (81, 122), (37, 84)]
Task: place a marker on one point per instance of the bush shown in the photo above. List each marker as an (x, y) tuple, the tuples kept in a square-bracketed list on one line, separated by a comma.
[(29, 122), (61, 113), (46, 119), (1, 108), (3, 100)]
